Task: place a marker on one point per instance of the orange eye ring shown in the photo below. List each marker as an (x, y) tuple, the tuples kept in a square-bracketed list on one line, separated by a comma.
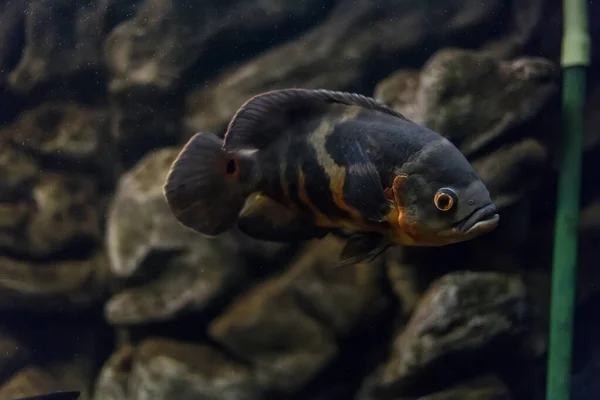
[(445, 199)]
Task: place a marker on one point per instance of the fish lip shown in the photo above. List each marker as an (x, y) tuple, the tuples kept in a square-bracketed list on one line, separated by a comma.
[(483, 219)]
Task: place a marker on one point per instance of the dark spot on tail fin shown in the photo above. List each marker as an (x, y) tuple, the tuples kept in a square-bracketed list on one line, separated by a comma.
[(232, 167), (261, 119), (70, 395), (202, 186)]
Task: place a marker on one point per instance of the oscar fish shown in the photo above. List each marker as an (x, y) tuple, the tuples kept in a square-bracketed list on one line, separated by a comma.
[(298, 164)]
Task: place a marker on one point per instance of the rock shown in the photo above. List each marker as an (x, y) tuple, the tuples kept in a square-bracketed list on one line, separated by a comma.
[(287, 326), (142, 233), (589, 219), (463, 317), (488, 387), (399, 90), (268, 327), (59, 212), (166, 37), (513, 171), (190, 283), (30, 381), (113, 378), (72, 354), (525, 30), (541, 242), (14, 353), (406, 280), (471, 97), (63, 137), (463, 312), (475, 100), (286, 346), (33, 381), (63, 39), (20, 172), (12, 16), (143, 123), (88, 89), (64, 354), (345, 299), (74, 375), (163, 368), (151, 55), (65, 134), (57, 286), (359, 39)]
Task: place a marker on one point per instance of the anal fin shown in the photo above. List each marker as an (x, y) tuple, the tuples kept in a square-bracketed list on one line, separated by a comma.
[(364, 247), (265, 219)]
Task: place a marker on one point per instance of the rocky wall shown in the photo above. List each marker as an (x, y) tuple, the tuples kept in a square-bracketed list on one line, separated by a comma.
[(101, 290)]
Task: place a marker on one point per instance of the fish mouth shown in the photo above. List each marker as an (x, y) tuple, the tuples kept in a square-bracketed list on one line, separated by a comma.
[(483, 219)]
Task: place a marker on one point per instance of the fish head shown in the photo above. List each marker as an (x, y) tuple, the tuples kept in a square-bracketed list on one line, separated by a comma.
[(442, 200)]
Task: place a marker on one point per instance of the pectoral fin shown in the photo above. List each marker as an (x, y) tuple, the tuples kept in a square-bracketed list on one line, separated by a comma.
[(265, 219), (362, 248), (363, 189)]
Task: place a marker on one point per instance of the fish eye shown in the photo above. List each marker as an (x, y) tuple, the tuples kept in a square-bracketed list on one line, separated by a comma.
[(445, 199)]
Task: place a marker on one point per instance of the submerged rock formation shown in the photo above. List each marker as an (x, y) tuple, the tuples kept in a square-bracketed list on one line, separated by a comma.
[(102, 290)]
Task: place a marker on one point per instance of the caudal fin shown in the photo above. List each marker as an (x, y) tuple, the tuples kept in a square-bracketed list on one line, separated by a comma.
[(202, 187)]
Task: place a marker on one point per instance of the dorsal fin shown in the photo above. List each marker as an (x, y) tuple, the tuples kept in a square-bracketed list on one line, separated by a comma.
[(258, 121)]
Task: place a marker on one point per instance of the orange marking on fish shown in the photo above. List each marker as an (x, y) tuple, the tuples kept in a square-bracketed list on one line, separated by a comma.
[(389, 193), (337, 191), (336, 172), (260, 205), (322, 219), (402, 231), (410, 228)]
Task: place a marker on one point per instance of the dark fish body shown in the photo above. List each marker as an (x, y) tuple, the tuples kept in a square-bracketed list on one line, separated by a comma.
[(310, 169), (298, 164)]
